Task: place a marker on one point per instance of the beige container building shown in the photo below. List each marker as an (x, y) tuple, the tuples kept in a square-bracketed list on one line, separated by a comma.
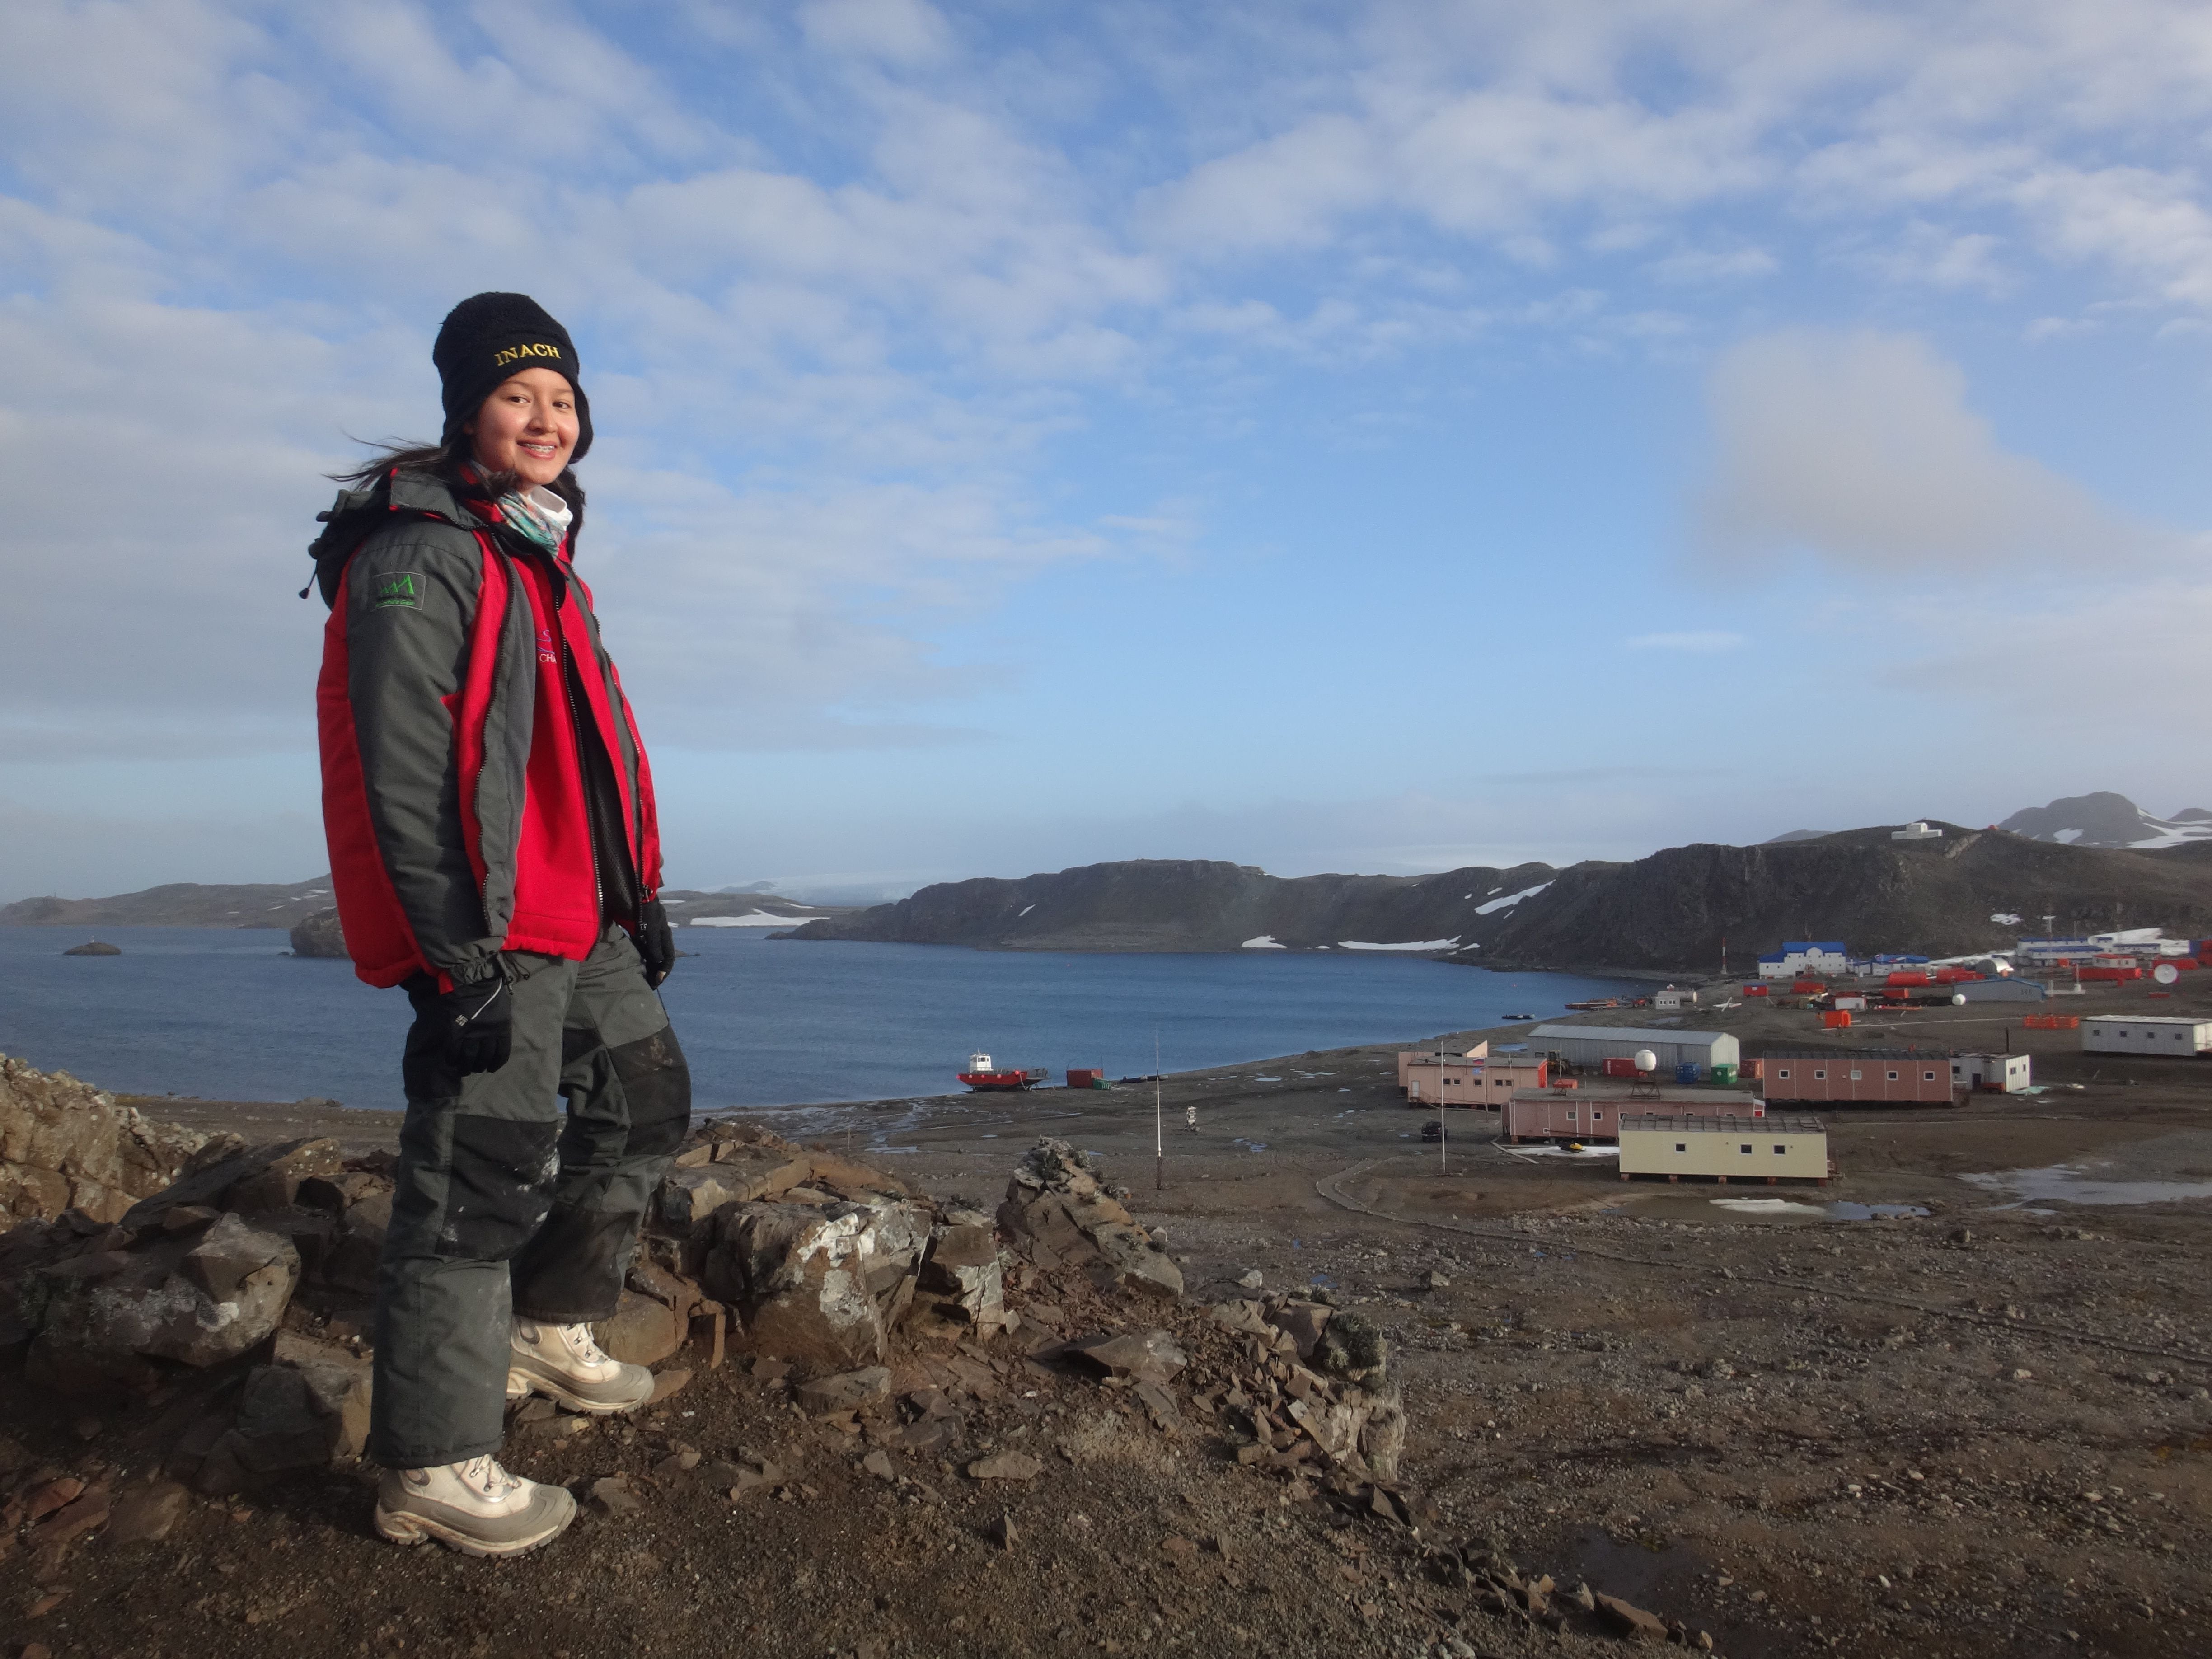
[(1749, 1150), (1409, 1057), (1487, 1084)]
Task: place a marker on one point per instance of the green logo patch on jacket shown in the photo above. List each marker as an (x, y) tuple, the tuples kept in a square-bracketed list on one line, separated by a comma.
[(402, 587)]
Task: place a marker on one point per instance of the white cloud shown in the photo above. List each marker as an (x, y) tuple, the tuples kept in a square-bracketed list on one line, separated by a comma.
[(1860, 447), (907, 32)]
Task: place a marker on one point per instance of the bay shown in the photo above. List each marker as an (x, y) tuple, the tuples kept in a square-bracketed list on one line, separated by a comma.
[(231, 1015)]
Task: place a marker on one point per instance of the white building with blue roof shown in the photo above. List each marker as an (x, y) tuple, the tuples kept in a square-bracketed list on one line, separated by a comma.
[(1816, 957)]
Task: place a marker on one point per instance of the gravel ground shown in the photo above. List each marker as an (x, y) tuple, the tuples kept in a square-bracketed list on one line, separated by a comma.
[(1974, 1431)]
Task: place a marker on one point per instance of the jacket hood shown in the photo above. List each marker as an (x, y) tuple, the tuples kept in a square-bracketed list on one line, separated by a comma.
[(356, 515)]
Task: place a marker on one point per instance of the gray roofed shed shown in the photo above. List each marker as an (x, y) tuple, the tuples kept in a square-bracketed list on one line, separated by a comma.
[(1585, 1045)]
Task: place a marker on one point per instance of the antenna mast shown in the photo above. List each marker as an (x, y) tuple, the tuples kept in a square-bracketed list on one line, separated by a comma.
[(1160, 1133)]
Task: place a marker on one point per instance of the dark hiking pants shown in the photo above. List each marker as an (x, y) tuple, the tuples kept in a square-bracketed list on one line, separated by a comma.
[(503, 1209)]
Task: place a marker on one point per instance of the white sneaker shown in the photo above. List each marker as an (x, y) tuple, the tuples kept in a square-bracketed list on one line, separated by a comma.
[(475, 1507), (564, 1363)]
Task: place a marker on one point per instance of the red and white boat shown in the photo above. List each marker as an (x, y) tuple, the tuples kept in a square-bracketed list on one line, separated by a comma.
[(981, 1075)]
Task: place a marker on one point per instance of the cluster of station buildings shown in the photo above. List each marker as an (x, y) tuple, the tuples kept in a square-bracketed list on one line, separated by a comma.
[(1670, 1099), (1678, 1117)]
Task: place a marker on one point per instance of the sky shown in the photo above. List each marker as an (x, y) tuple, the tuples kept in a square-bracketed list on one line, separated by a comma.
[(1374, 438)]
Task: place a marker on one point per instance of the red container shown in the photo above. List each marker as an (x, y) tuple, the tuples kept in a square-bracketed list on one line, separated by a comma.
[(1955, 976), (1906, 976), (1835, 1019), (1087, 1077), (1620, 1068), (1755, 990), (1805, 988)]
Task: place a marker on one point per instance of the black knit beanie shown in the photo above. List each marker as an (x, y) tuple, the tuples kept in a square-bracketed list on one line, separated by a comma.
[(489, 339)]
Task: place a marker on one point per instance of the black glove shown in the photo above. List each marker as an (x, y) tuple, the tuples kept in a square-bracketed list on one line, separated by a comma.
[(477, 1024), (656, 942)]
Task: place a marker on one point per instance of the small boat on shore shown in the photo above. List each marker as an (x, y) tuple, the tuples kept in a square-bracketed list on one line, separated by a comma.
[(982, 1076)]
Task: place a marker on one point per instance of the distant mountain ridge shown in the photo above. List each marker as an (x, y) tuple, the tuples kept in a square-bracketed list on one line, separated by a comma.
[(1670, 912), (2104, 819), (193, 905), (1193, 904), (179, 904)]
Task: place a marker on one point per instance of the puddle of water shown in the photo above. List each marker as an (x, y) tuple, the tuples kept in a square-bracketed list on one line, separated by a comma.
[(2073, 1183), (1666, 1581), (1550, 1150)]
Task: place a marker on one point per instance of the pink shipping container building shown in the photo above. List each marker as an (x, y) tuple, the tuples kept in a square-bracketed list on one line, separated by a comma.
[(1897, 1075)]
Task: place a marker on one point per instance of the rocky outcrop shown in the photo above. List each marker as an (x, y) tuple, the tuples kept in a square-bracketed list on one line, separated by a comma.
[(1059, 1215), (319, 935), (64, 1145)]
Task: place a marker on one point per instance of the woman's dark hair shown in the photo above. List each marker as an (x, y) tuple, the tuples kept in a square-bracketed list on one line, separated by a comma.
[(447, 462)]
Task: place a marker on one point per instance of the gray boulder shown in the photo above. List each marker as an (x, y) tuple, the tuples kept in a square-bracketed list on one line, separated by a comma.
[(197, 1298), (819, 1285)]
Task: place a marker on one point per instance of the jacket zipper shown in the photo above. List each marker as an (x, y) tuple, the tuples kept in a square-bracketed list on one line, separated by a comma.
[(576, 735)]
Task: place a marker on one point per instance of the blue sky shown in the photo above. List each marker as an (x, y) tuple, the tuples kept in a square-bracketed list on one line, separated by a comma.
[(1374, 437)]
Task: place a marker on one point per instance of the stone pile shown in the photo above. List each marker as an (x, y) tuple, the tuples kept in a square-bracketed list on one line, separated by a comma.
[(230, 1311), (1061, 1216), (1317, 1388), (1503, 1592), (246, 1280), (66, 1145)]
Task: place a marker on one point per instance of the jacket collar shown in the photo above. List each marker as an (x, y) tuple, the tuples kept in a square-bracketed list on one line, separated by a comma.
[(425, 492)]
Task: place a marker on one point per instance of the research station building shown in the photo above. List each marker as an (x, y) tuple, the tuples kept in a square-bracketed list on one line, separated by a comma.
[(2175, 1034), (1440, 1080), (2003, 1075), (1764, 1150), (1578, 1115), (1588, 1045), (1896, 1076)]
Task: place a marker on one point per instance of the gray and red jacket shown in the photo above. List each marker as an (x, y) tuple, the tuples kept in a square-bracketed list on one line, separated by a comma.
[(484, 788)]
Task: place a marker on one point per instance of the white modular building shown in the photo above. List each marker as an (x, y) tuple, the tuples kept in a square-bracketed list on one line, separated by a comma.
[(2146, 1034), (2004, 1074), (1586, 1045)]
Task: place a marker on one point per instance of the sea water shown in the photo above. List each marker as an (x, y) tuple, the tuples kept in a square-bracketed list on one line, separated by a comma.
[(229, 1014)]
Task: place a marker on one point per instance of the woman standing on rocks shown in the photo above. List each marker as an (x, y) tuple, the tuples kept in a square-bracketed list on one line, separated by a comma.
[(494, 853)]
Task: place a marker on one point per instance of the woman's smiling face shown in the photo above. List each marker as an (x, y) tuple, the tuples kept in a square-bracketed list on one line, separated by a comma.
[(527, 427)]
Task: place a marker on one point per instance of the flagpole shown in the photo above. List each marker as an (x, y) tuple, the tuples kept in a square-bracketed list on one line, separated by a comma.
[(1160, 1131)]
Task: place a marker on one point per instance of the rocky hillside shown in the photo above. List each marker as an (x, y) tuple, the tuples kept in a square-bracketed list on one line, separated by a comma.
[(1669, 912), (1191, 904), (1941, 897)]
